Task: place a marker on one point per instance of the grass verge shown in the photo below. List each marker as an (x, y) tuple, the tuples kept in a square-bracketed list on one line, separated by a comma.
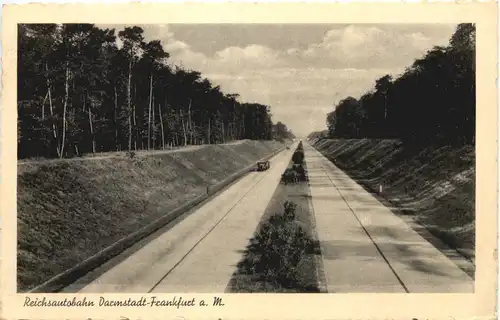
[(70, 210)]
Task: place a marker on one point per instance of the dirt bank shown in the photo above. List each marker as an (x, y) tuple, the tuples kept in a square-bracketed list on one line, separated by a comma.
[(70, 210)]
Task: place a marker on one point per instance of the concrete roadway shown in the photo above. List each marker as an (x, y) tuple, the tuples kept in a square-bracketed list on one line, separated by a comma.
[(366, 247), (200, 253)]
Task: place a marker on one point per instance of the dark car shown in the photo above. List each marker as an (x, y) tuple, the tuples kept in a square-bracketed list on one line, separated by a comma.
[(263, 165)]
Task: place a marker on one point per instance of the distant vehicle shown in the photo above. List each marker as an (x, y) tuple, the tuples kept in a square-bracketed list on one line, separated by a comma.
[(288, 147), (263, 165)]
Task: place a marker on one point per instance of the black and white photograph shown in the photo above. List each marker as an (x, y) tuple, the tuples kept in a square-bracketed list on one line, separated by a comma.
[(246, 158)]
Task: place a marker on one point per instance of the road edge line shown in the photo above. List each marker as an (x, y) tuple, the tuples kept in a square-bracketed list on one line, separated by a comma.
[(318, 258)]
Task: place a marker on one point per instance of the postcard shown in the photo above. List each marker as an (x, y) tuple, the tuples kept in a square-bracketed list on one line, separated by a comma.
[(249, 161)]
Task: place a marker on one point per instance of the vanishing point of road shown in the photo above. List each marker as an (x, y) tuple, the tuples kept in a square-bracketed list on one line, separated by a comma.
[(365, 247)]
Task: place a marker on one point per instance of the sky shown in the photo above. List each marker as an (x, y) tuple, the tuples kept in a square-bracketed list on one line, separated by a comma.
[(300, 70)]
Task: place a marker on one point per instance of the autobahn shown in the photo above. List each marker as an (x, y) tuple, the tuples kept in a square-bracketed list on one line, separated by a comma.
[(365, 247)]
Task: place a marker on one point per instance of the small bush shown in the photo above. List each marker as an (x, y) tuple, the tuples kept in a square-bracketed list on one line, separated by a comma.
[(300, 171), (300, 147), (131, 154), (290, 209), (289, 176), (281, 244), (298, 157)]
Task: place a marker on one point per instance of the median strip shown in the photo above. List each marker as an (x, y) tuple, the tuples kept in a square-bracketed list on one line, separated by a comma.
[(282, 254)]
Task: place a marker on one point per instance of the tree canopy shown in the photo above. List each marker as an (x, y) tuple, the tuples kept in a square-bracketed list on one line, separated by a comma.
[(432, 102), (78, 92)]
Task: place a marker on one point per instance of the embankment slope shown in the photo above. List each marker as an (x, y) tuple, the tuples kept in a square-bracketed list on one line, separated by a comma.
[(70, 210), (436, 185)]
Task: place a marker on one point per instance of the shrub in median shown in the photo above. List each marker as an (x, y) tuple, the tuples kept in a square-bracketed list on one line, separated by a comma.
[(294, 174), (298, 157), (300, 171), (281, 244), (290, 208), (289, 176), (300, 147)]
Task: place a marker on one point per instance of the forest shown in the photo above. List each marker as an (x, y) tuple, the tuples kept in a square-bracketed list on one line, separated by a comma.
[(432, 102), (80, 93)]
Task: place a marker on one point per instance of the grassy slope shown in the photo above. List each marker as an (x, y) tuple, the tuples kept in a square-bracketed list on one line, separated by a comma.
[(68, 211), (436, 186)]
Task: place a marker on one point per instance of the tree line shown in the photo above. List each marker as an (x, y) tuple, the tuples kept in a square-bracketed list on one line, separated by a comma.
[(432, 102), (79, 92)]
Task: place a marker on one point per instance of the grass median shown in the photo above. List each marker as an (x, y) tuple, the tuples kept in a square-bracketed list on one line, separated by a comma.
[(282, 254)]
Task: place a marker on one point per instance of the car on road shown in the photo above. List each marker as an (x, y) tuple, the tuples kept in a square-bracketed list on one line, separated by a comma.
[(263, 165)]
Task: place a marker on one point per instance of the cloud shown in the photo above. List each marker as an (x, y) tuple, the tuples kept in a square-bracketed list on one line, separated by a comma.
[(352, 46), (302, 84), (359, 46), (250, 53), (176, 46)]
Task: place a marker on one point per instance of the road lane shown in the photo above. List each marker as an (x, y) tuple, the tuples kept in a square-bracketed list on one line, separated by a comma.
[(211, 264), (350, 259), (359, 235), (146, 268)]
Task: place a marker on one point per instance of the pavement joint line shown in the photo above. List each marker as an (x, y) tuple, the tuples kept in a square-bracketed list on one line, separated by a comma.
[(320, 269), (364, 229), (209, 231), (412, 221)]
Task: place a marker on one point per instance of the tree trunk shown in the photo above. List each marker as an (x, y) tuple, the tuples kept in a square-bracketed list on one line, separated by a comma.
[(161, 124), (223, 132), (43, 105), (190, 123), (243, 125), (129, 103), (149, 111), (65, 106), (51, 109), (183, 128), (385, 108), (168, 123), (134, 118), (154, 124), (208, 135), (233, 126), (116, 120), (91, 128)]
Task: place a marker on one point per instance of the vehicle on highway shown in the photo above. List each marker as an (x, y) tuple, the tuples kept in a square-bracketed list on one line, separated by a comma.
[(263, 165)]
